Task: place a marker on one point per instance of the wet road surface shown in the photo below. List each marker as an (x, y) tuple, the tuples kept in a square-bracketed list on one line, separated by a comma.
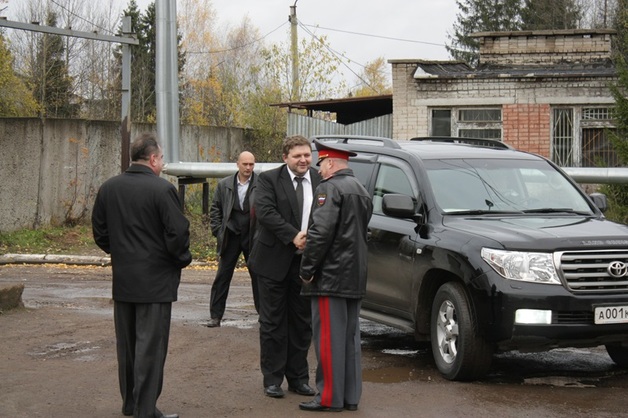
[(563, 382)]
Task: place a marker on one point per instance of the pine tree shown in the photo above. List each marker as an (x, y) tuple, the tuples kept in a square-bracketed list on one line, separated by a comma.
[(618, 193), (481, 16), (143, 62), (555, 14), (52, 84)]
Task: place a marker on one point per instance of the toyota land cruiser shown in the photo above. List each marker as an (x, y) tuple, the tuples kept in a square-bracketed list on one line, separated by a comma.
[(480, 248)]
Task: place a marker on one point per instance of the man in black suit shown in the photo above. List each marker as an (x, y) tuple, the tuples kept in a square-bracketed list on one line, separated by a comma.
[(230, 222), (284, 315), (137, 218)]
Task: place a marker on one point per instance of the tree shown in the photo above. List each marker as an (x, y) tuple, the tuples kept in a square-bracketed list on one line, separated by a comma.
[(52, 84), (317, 70), (88, 62), (92, 66), (16, 99), (618, 193), (143, 63), (200, 89), (373, 79), (597, 13), (480, 16), (555, 14), (221, 75)]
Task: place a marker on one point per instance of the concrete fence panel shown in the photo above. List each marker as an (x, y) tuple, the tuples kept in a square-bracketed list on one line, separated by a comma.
[(51, 169)]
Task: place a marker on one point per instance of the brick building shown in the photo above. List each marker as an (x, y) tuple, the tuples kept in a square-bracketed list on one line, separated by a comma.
[(540, 91)]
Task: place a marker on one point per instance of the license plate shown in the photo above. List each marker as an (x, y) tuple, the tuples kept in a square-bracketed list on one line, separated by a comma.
[(611, 314)]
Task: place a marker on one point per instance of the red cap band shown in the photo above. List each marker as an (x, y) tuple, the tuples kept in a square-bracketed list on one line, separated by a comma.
[(329, 153)]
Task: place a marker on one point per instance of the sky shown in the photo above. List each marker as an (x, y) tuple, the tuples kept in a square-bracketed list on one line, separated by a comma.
[(398, 29), (360, 30)]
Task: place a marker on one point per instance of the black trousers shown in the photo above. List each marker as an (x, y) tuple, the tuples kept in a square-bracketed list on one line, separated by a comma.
[(235, 244), (285, 330), (142, 333)]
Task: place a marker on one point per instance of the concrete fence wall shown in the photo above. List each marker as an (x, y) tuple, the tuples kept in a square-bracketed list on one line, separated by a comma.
[(50, 170)]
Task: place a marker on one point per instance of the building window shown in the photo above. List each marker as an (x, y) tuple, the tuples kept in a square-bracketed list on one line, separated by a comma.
[(480, 115), (441, 122), (562, 137), (597, 149), (483, 123), (580, 137)]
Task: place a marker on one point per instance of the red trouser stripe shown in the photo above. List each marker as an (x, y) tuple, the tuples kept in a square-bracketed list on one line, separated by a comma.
[(325, 351)]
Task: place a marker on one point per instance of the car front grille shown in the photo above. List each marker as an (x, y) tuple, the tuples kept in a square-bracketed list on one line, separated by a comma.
[(603, 271)]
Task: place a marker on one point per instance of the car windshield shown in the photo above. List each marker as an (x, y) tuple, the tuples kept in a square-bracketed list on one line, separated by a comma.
[(491, 185)]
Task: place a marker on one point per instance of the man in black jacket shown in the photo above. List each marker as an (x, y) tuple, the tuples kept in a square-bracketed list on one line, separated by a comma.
[(137, 218), (284, 316), (230, 222), (333, 271)]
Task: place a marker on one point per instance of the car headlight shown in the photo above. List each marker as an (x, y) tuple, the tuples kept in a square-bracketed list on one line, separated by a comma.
[(524, 266)]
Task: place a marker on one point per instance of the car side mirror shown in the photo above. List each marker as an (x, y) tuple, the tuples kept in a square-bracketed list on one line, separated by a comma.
[(400, 206), (599, 200)]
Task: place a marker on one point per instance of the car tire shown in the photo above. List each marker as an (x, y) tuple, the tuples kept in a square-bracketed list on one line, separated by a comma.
[(618, 353), (459, 352)]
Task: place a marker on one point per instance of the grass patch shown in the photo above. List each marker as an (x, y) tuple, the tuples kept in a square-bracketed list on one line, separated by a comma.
[(50, 240), (78, 240)]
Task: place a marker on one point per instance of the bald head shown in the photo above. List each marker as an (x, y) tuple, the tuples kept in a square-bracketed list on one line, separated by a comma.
[(246, 164)]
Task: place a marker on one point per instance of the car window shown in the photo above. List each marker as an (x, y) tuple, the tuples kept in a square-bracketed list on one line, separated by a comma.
[(501, 185), (390, 179), (362, 171)]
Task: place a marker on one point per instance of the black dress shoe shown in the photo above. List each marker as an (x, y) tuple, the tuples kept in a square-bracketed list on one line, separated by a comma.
[(274, 391), (213, 323), (302, 389), (315, 406), (351, 407)]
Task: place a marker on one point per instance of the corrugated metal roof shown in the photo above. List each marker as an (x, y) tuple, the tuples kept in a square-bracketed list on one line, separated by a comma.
[(348, 110), (440, 70)]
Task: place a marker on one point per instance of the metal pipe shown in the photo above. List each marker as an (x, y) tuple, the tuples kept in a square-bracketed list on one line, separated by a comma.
[(211, 170), (596, 175), (585, 175), (166, 78)]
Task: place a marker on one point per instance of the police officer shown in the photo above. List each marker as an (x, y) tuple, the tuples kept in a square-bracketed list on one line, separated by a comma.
[(333, 271)]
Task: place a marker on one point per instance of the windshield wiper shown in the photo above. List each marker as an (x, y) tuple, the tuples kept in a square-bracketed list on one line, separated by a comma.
[(481, 212), (556, 210)]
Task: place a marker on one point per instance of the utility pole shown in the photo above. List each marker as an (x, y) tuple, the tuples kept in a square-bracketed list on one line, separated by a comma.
[(125, 129), (295, 52)]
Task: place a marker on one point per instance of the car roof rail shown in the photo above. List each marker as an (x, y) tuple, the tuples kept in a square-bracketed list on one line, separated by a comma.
[(357, 139), (483, 142)]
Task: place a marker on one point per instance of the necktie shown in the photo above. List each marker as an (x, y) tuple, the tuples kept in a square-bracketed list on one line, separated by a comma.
[(299, 190)]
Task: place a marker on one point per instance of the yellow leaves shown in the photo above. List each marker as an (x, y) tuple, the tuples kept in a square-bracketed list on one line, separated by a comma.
[(15, 98)]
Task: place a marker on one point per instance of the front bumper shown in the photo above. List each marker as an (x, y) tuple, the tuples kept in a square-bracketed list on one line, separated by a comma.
[(572, 316)]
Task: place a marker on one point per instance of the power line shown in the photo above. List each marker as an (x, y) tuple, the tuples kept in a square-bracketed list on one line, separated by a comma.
[(239, 46), (375, 36), (82, 18), (339, 56)]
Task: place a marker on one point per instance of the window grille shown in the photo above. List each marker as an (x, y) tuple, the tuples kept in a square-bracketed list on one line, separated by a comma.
[(562, 138)]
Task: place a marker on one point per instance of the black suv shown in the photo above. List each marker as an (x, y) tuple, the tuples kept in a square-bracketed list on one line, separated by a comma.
[(481, 248)]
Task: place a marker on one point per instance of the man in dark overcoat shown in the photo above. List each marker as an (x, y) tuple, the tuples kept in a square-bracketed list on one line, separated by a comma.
[(137, 218)]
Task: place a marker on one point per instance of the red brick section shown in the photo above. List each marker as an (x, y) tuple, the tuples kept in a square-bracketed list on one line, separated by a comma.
[(527, 127)]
